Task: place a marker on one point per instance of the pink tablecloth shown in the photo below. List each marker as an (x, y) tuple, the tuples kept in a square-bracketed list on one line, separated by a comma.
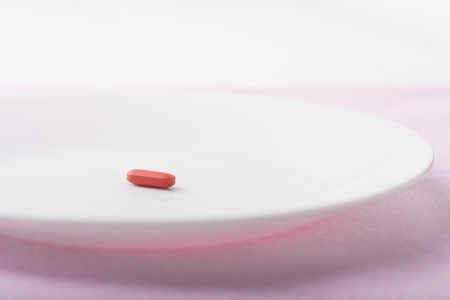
[(398, 248)]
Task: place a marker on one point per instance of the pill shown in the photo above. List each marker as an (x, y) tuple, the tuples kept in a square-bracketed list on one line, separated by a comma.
[(151, 178)]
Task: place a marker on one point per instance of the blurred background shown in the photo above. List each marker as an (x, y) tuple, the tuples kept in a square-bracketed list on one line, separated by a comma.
[(234, 43)]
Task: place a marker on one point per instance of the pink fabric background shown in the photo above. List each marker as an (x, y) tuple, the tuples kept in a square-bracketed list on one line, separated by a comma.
[(398, 248)]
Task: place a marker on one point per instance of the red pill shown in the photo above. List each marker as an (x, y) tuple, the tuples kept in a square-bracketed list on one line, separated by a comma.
[(151, 178)]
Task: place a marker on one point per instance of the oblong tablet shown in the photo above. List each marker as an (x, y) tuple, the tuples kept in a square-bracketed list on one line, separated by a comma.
[(151, 178)]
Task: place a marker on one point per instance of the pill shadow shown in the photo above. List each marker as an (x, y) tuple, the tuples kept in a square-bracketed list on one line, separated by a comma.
[(150, 188), (355, 241), (154, 193)]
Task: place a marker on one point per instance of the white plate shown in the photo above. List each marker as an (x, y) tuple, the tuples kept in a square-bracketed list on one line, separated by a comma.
[(246, 166)]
